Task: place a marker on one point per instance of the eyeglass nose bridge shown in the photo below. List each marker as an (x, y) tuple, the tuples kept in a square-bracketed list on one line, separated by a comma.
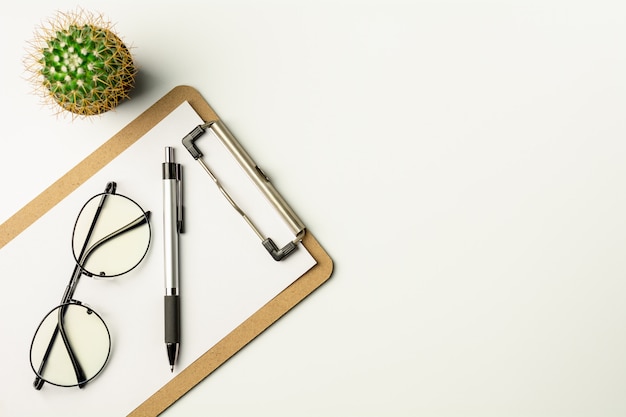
[(80, 303), (100, 277), (88, 308)]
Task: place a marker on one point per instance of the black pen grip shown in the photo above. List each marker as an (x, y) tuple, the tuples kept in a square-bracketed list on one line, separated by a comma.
[(172, 319)]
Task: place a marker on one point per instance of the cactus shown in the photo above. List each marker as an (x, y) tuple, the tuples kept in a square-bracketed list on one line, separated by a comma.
[(78, 63)]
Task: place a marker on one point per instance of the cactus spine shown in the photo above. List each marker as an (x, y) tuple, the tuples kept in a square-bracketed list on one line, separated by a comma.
[(81, 64)]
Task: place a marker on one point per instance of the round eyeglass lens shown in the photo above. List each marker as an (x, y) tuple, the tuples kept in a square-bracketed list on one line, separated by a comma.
[(71, 346), (111, 235)]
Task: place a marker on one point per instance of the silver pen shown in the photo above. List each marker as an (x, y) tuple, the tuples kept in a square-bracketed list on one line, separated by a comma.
[(172, 227)]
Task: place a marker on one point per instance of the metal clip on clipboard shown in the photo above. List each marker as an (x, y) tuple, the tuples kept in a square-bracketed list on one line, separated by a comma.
[(258, 177)]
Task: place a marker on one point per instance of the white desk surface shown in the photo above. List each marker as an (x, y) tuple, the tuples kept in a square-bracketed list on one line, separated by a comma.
[(461, 161)]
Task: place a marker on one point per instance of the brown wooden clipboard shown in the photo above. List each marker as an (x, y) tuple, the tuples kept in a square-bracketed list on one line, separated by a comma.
[(241, 335)]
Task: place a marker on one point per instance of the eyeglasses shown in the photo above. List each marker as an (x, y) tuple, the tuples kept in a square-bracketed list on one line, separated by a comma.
[(72, 343)]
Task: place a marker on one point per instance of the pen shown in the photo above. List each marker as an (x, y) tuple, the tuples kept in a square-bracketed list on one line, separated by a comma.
[(172, 227)]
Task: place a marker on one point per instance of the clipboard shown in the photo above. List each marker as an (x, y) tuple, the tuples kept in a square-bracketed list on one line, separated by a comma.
[(254, 325)]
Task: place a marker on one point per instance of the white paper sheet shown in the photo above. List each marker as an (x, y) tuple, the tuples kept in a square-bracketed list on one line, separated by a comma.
[(226, 275)]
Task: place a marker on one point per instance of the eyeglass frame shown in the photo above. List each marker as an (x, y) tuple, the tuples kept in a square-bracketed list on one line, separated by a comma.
[(79, 270)]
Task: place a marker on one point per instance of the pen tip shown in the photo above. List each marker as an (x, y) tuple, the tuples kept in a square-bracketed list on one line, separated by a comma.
[(172, 368)]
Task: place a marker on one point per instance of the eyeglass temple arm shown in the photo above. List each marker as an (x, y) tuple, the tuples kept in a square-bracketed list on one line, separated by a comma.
[(38, 383), (84, 252), (78, 370), (143, 219), (109, 189), (81, 378)]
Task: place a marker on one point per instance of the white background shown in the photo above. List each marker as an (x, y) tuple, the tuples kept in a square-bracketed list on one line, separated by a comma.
[(461, 161)]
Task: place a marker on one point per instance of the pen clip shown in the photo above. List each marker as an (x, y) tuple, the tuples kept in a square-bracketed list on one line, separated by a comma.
[(179, 199)]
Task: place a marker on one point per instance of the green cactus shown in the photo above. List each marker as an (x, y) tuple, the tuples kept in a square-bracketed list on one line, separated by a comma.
[(81, 64)]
